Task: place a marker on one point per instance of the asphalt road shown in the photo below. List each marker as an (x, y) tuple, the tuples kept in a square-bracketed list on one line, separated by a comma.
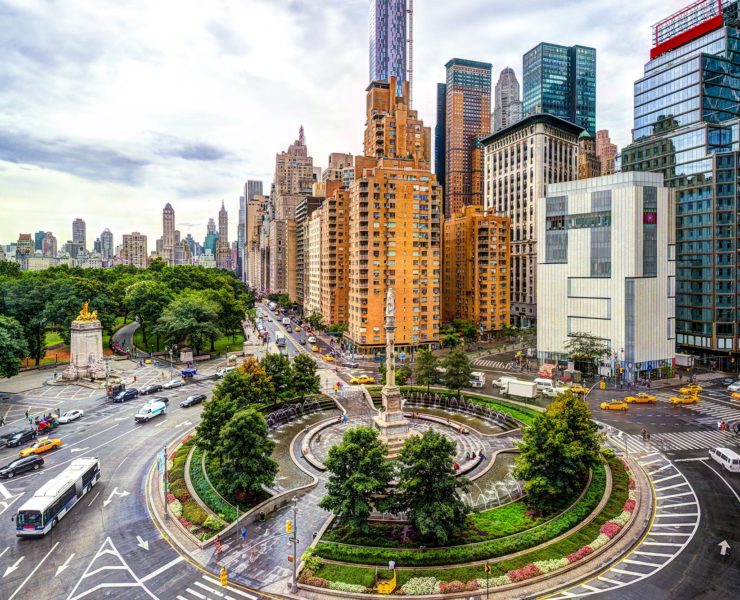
[(107, 545)]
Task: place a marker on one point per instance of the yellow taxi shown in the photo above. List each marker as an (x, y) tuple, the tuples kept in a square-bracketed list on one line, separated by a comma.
[(641, 398), (41, 446), (690, 390), (297, 329), (614, 405), (314, 348), (685, 399), (735, 395), (328, 358), (578, 389), (362, 379)]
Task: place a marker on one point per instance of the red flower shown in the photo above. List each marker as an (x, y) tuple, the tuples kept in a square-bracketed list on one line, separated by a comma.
[(531, 570), (631, 485), (629, 506), (579, 554), (610, 529)]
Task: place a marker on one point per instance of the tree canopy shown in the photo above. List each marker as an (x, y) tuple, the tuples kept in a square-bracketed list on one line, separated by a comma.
[(457, 370), (425, 368), (13, 348), (586, 348)]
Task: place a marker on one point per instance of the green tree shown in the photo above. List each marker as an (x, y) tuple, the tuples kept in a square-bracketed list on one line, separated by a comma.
[(556, 452), (283, 301), (315, 320), (403, 373), (280, 373), (244, 454), (586, 348), (450, 340), (13, 347), (425, 368), (427, 488), (157, 265), (358, 473), (337, 328), (305, 381), (189, 318), (457, 370), (147, 300), (467, 329), (216, 413)]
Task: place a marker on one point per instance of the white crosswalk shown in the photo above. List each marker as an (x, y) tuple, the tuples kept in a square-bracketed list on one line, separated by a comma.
[(683, 440), (706, 406), (209, 588), (493, 364)]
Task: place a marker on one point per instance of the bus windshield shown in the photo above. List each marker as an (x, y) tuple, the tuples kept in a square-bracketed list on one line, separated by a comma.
[(29, 518)]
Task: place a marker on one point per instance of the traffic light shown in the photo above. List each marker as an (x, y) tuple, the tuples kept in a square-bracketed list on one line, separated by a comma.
[(224, 577), (288, 526)]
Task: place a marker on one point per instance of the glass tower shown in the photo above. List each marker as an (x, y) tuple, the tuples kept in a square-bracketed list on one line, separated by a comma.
[(388, 40), (561, 81), (686, 126)]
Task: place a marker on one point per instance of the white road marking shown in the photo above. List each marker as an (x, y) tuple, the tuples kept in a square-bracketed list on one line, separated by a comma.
[(162, 569), (231, 589), (65, 565), (4, 492), (196, 594), (208, 589), (724, 481), (141, 543), (13, 567), (94, 498), (4, 551), (41, 562)]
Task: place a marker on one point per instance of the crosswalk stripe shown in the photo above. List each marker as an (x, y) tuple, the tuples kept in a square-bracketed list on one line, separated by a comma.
[(196, 594), (208, 589)]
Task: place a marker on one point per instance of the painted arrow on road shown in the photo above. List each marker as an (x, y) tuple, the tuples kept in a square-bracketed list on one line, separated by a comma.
[(724, 547), (65, 565), (115, 492), (13, 567), (184, 424), (142, 543), (80, 449)]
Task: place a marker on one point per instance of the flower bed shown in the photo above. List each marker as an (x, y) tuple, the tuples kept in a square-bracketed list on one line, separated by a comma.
[(567, 551), (205, 491), (471, 553), (181, 504)]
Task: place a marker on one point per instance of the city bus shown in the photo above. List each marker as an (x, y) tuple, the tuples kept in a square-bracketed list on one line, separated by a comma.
[(56, 498)]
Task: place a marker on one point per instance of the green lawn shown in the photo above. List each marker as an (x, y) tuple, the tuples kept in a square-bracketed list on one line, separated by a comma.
[(53, 338)]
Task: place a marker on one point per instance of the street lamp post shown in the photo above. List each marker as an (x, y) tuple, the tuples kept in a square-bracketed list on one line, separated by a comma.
[(294, 583)]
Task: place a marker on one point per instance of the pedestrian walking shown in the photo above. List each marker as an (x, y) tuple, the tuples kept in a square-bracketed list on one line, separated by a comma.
[(644, 434), (244, 536), (2, 421), (680, 377), (59, 413), (719, 425), (26, 414), (724, 426)]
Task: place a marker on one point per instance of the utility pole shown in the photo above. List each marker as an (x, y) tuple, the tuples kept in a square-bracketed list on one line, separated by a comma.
[(294, 584)]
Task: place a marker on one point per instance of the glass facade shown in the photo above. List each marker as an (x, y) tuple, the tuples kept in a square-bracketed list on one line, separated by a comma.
[(561, 81), (388, 40), (687, 120)]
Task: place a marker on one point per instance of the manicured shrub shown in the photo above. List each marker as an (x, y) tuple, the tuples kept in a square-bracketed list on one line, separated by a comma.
[(421, 586), (194, 513), (450, 587), (471, 586), (214, 523), (553, 564), (579, 554), (317, 582), (175, 508), (524, 573), (347, 587), (629, 506), (610, 529)]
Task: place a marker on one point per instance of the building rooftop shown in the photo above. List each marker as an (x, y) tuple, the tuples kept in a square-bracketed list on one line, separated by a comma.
[(468, 63), (545, 118)]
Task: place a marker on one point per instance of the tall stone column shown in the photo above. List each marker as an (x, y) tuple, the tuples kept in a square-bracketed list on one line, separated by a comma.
[(393, 426)]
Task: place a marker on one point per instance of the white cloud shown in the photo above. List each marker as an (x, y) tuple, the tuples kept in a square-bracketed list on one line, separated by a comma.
[(124, 106)]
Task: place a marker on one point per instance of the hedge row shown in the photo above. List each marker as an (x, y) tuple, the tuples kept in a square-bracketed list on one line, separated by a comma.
[(205, 491), (471, 553)]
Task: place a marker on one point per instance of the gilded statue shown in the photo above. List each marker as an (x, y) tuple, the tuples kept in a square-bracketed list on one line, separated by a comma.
[(86, 315)]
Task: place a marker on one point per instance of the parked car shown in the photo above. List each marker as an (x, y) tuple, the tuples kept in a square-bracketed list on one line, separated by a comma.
[(126, 395), (42, 445), (614, 405), (734, 387), (362, 379), (641, 398), (16, 438), (193, 400), (311, 339), (21, 465), (173, 383), (71, 415), (149, 411), (151, 388), (350, 364)]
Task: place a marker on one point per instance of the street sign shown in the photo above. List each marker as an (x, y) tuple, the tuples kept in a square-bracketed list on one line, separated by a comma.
[(402, 356), (161, 461)]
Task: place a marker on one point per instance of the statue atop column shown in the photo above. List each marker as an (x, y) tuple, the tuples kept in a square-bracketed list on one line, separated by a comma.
[(390, 339)]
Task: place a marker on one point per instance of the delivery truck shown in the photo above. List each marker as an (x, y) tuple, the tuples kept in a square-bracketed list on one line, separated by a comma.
[(521, 389)]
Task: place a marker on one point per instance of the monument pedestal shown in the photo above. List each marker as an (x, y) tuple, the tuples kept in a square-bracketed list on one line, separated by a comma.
[(85, 351), (393, 426)]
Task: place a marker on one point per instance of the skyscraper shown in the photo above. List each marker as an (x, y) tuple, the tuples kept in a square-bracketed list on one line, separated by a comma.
[(439, 134), (133, 249), (38, 239), (253, 188), (79, 234), (388, 40), (686, 124), (606, 151), (168, 234), (561, 81), (211, 227), (223, 248), (106, 244), (507, 108), (468, 118), (49, 245)]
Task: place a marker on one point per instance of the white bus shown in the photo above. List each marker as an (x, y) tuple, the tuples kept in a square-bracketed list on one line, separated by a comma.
[(56, 498)]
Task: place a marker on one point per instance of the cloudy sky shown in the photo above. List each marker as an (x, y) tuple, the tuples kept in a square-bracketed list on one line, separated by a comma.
[(110, 109)]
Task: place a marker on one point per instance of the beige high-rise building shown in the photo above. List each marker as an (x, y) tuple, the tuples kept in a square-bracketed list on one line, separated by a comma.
[(255, 210), (476, 268), (606, 151), (223, 248), (306, 207), (520, 162), (294, 169), (133, 249), (394, 227), (49, 245), (589, 164), (167, 252), (312, 300), (335, 253)]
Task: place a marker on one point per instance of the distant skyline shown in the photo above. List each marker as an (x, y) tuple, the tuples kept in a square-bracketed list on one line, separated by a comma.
[(110, 127)]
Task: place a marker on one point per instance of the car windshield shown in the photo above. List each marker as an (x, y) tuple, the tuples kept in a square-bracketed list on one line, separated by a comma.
[(69, 413), (29, 518)]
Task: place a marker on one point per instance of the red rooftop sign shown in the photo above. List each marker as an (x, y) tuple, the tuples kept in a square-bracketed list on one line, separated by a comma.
[(686, 25)]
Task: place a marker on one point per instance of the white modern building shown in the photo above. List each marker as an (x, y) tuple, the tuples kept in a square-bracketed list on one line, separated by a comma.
[(606, 266), (312, 297)]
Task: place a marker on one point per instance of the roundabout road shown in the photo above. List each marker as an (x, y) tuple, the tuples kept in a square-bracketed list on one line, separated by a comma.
[(107, 546)]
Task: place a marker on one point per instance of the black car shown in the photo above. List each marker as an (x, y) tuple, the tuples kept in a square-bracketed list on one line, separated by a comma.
[(20, 437), (193, 400), (164, 399), (21, 465), (151, 388), (125, 395)]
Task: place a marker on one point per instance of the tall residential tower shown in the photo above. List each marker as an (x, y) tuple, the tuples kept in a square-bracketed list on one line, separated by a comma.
[(388, 40), (507, 108)]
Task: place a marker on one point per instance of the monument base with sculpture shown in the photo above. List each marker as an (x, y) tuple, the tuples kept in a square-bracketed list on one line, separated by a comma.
[(85, 347)]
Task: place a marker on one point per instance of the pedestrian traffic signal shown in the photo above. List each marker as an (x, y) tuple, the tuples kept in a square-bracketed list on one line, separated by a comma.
[(224, 577), (288, 526)]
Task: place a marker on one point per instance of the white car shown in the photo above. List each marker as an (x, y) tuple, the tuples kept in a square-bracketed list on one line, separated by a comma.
[(71, 415), (734, 387), (222, 372), (173, 383), (311, 339)]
